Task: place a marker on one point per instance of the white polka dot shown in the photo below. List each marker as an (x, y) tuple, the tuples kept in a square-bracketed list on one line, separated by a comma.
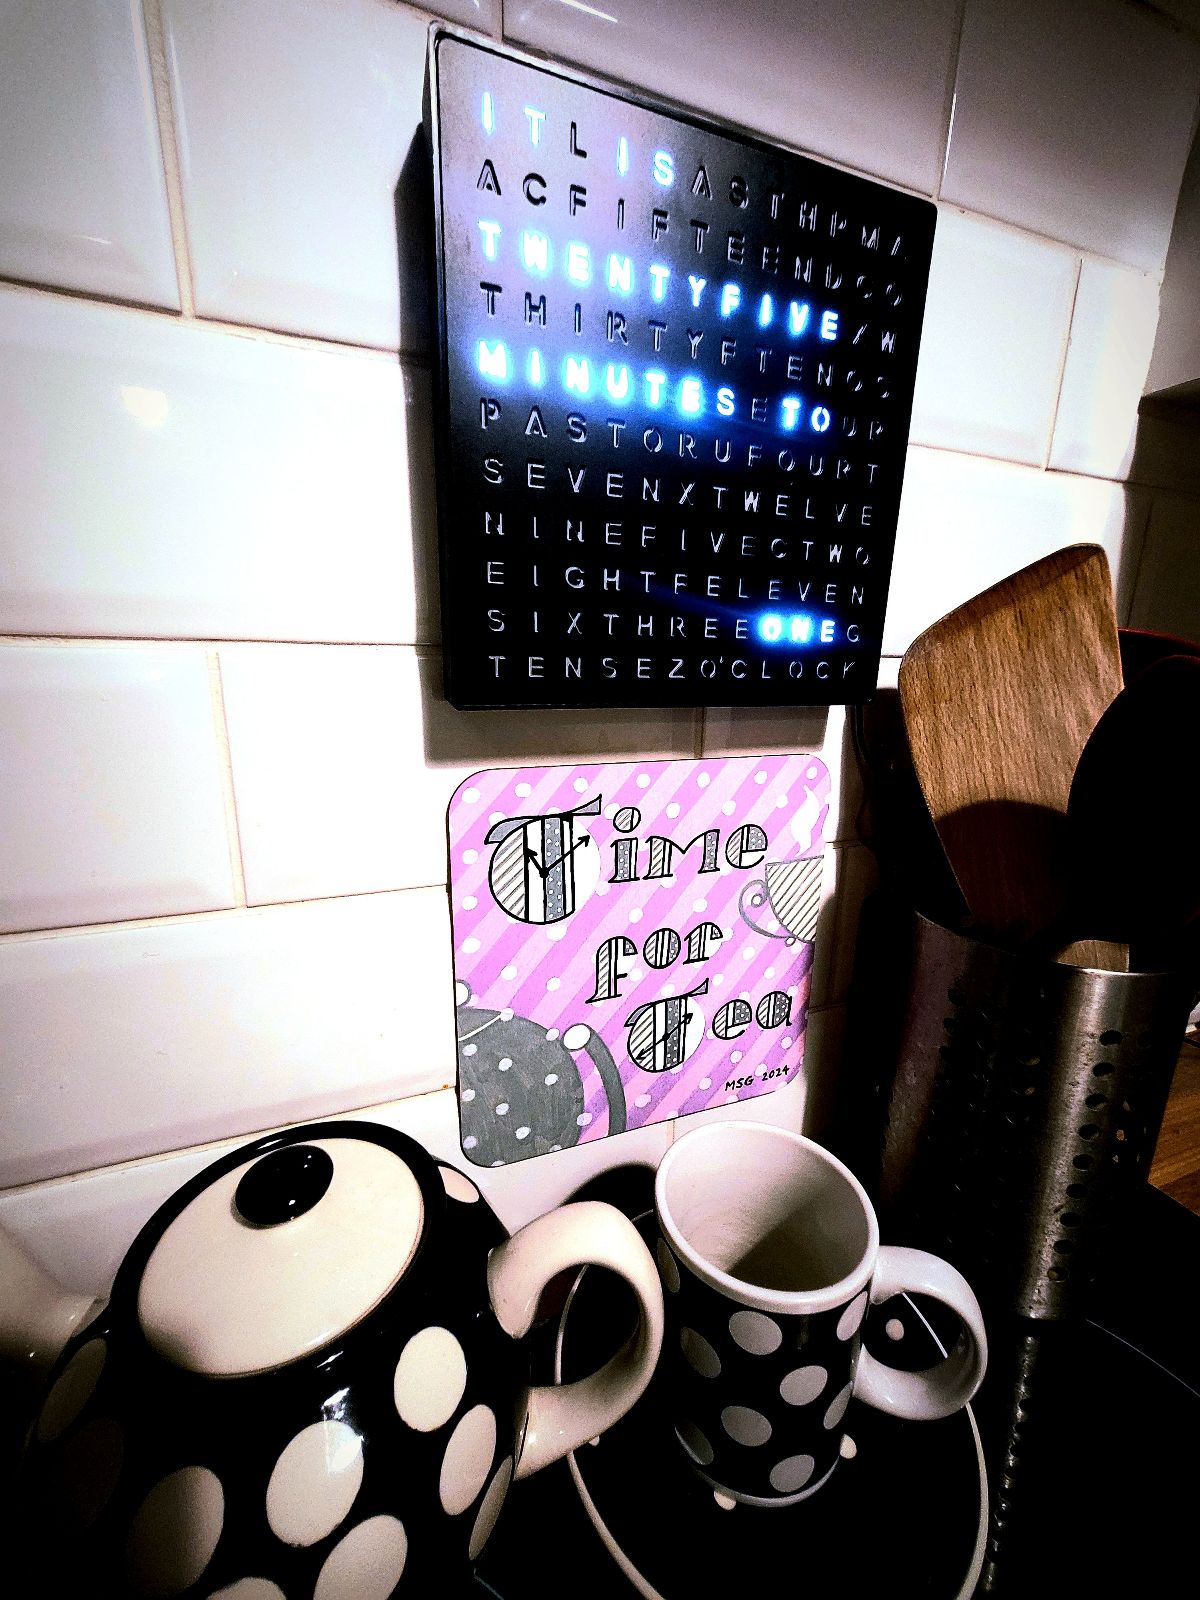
[(602, 887), (557, 932), (502, 1109), (552, 1033), (580, 785), (468, 1460), (470, 796), (636, 914), (642, 1101), (635, 975), (506, 1014), (367, 1564), (699, 1354), (781, 801), (803, 1384), (249, 1589), (504, 1063), (551, 1079), (469, 946), (749, 953), (837, 1409), (706, 1083), (673, 809), (577, 1036), (522, 1133), (496, 816), (791, 1474), (847, 1449), (72, 1390), (850, 1318), (894, 1328), (469, 1049), (458, 1187), (735, 1056), (703, 780), (508, 972), (490, 1507), (461, 994), (668, 1266), (523, 789), (760, 777), (725, 1501), (469, 902), (744, 1425), (174, 1533), (757, 1333), (470, 856), (694, 1442), (315, 1482), (553, 983), (643, 780), (431, 1376), (785, 1044), (729, 808), (699, 905), (582, 1120)]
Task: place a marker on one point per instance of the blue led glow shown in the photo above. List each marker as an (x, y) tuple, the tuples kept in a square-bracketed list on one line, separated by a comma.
[(796, 628), (791, 410), (820, 419), (536, 118), (579, 263), (490, 232), (488, 114), (731, 298), (664, 168), (691, 397), (537, 369), (493, 360), (829, 325), (622, 156), (766, 311), (656, 382), (799, 313), (697, 287), (577, 375), (725, 401), (658, 281), (620, 274), (616, 382), (535, 251)]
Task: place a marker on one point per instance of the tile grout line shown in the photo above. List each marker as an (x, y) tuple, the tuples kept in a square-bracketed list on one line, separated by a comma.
[(168, 138), (233, 832), (1063, 354), (951, 95)]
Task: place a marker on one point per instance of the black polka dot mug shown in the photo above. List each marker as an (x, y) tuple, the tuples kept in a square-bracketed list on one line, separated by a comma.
[(769, 1251), (309, 1379)]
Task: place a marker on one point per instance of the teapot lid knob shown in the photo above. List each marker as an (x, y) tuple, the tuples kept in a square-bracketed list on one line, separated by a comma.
[(283, 1185)]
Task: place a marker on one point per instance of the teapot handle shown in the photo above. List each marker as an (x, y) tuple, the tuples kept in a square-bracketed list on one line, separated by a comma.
[(560, 1417)]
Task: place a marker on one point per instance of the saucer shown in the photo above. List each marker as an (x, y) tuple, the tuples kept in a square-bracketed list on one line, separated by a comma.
[(904, 1511)]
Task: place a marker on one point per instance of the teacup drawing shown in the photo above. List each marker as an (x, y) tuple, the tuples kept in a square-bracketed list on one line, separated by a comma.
[(792, 892)]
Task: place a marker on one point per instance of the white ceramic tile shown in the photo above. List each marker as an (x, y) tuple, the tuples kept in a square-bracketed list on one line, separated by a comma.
[(991, 347), (868, 92), (965, 523), (1074, 120), (83, 201), (344, 761), (111, 802), (752, 730), (1112, 335), (80, 1228), (126, 1042), (165, 479), (290, 173), (1167, 596)]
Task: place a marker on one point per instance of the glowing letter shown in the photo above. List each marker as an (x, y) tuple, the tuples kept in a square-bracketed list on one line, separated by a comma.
[(766, 311), (536, 118), (536, 371), (690, 396), (579, 263), (827, 631), (620, 274), (770, 628), (664, 168), (576, 374), (618, 390), (493, 359), (535, 251), (829, 322), (697, 286), (490, 232), (489, 116), (798, 315), (622, 156), (725, 401), (791, 410), (655, 383), (820, 419), (731, 298), (801, 629), (658, 282)]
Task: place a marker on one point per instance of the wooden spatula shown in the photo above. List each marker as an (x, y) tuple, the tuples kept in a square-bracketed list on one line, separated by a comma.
[(999, 698)]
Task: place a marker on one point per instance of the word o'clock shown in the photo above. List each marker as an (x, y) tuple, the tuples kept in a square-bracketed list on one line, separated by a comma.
[(676, 374)]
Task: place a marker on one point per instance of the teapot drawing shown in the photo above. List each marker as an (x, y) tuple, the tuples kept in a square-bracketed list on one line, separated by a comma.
[(309, 1378)]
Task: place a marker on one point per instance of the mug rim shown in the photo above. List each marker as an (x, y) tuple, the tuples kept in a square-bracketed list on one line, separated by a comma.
[(792, 1302)]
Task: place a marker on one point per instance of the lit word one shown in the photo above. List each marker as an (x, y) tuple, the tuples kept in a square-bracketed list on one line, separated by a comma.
[(796, 627)]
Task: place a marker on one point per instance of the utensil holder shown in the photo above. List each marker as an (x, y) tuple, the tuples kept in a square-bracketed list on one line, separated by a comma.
[(1017, 1102)]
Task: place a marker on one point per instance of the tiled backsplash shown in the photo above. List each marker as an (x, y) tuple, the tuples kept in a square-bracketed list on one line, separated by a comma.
[(224, 755)]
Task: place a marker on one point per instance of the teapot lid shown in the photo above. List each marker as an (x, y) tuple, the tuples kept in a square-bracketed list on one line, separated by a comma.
[(281, 1247)]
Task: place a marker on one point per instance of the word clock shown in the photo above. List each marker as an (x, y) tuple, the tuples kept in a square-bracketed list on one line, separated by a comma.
[(676, 374)]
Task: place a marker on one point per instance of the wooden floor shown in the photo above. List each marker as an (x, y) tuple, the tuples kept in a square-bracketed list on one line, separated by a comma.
[(1176, 1166)]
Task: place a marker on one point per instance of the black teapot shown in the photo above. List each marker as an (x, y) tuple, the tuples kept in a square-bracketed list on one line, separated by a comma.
[(309, 1379)]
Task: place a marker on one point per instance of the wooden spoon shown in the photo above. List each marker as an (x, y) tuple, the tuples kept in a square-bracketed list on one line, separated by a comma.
[(999, 699)]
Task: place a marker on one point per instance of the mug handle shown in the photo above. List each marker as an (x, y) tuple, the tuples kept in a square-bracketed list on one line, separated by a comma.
[(561, 1417), (924, 1396)]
